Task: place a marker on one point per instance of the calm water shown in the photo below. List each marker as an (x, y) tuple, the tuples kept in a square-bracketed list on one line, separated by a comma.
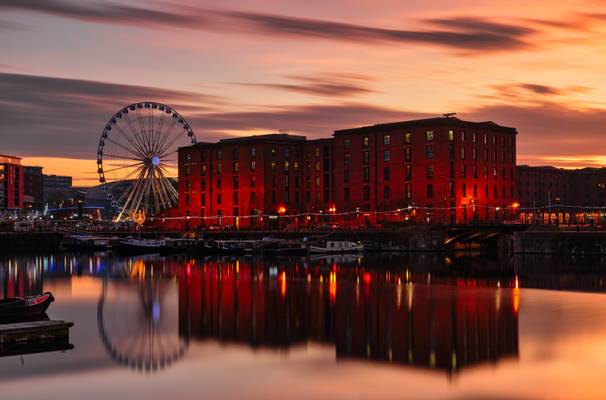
[(425, 327)]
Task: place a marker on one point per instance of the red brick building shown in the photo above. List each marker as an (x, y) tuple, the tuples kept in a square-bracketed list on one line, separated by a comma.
[(11, 183), (566, 196), (436, 170)]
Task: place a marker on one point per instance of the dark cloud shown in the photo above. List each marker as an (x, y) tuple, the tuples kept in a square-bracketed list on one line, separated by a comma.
[(332, 86), (471, 34), (46, 116), (531, 92)]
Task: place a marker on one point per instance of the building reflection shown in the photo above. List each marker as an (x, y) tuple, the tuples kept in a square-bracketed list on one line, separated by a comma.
[(366, 313), (425, 310)]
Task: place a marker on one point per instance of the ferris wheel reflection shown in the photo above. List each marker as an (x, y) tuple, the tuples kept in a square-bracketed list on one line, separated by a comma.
[(138, 317)]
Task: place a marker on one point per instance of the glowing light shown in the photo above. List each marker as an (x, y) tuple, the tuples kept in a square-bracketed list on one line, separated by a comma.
[(283, 284), (332, 287), (281, 210)]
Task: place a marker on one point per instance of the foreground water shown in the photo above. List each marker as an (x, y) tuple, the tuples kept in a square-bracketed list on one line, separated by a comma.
[(425, 327)]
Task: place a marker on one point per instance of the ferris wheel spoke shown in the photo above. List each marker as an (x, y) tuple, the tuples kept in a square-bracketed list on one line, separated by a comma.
[(122, 157), (163, 191), (132, 138), (158, 132), (166, 147), (136, 134), (156, 194), (142, 130), (123, 167), (166, 135), (135, 150)]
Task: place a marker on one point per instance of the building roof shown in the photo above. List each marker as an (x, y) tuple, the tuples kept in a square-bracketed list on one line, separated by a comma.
[(8, 159), (438, 121)]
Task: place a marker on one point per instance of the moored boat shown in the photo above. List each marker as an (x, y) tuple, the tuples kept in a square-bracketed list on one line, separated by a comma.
[(139, 246), (25, 307), (86, 242), (338, 247)]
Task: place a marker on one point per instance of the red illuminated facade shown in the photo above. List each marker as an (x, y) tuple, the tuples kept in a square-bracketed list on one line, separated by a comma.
[(11, 183), (437, 170)]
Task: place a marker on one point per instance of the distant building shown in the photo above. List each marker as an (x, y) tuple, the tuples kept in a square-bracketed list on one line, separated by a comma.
[(549, 194), (57, 181), (11, 183), (33, 193)]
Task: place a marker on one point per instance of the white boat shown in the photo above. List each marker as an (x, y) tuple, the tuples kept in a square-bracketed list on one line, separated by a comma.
[(338, 247), (131, 245)]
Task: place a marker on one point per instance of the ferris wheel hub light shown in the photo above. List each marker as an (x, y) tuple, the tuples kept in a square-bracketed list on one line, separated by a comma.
[(156, 160)]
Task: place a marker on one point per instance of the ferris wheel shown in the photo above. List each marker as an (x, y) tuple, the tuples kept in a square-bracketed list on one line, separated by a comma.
[(137, 157)]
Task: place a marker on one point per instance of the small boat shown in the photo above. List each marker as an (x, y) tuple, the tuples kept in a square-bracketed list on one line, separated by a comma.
[(180, 245), (25, 307), (232, 246), (339, 247), (139, 246), (86, 242)]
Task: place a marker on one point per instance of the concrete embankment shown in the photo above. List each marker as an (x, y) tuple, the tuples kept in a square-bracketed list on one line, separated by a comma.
[(31, 242), (559, 242), (412, 240)]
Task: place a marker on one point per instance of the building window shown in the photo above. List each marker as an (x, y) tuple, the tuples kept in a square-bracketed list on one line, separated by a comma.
[(386, 155), (463, 171), (464, 190), (366, 193), (253, 181), (495, 192), (187, 171), (451, 188), (236, 182), (317, 165), (235, 197), (494, 173), (236, 167), (429, 152), (475, 153), (504, 174), (462, 136), (408, 172), (219, 182), (504, 192), (430, 190), (346, 177), (485, 172), (475, 171), (273, 165), (366, 174), (365, 141), (475, 190), (451, 135), (429, 135), (386, 139), (408, 154), (219, 155), (253, 151), (234, 154), (204, 169), (317, 181), (462, 153), (286, 180), (219, 168), (203, 184), (219, 198), (347, 143), (203, 200), (430, 170), (346, 159), (286, 165), (273, 151), (346, 194), (408, 191), (188, 156), (485, 139), (366, 157), (386, 173), (187, 199), (253, 165), (407, 137), (286, 153), (386, 192), (273, 196), (317, 152)]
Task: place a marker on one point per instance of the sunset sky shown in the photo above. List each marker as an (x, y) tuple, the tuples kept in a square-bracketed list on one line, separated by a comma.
[(239, 67)]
